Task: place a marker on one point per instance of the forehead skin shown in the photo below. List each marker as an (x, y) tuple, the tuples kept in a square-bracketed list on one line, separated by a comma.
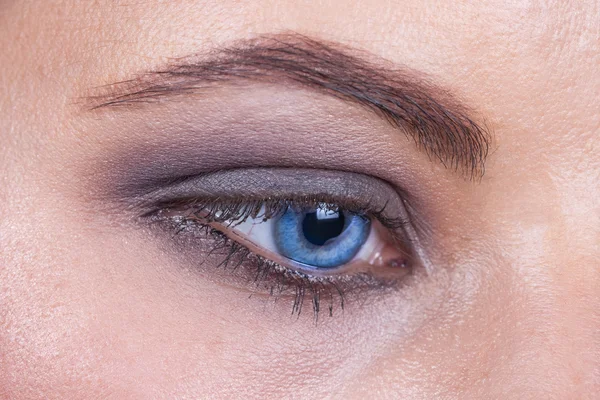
[(529, 67)]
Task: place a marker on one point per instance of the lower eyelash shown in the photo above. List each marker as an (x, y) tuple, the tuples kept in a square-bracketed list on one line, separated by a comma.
[(277, 280)]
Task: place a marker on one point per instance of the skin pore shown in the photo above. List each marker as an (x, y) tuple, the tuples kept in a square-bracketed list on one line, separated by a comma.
[(97, 300)]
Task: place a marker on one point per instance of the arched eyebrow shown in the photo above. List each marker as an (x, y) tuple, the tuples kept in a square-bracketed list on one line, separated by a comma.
[(438, 123)]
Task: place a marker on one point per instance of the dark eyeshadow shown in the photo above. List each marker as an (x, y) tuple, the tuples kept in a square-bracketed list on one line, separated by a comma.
[(264, 183)]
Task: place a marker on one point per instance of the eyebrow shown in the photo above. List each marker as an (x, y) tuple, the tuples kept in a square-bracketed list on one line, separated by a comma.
[(437, 122)]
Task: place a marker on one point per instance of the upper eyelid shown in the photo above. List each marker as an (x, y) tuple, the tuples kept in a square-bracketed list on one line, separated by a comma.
[(281, 183)]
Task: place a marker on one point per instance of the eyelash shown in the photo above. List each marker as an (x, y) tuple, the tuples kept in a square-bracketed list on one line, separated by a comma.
[(197, 215), (222, 210)]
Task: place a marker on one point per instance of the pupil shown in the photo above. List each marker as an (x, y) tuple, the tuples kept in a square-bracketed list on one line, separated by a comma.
[(322, 225)]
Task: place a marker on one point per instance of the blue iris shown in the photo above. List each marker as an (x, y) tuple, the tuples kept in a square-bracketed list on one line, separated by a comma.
[(322, 237)]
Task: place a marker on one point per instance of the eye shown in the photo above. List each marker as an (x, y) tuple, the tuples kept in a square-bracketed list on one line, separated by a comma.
[(322, 239), (296, 233)]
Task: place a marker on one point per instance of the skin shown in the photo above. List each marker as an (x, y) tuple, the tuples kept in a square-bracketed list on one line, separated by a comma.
[(92, 305)]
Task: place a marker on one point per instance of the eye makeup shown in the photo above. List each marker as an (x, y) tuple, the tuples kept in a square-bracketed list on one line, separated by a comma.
[(221, 208), (233, 156), (261, 183), (256, 127)]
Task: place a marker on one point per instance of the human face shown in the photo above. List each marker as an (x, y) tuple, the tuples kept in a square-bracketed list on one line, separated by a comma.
[(465, 136)]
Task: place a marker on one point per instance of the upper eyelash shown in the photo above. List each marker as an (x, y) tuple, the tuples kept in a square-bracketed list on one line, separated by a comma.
[(239, 210)]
